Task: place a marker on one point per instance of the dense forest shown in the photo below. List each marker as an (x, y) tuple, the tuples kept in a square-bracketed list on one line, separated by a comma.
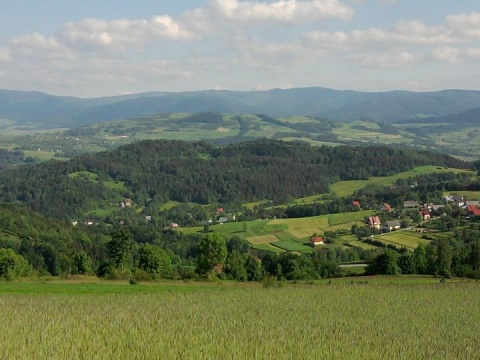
[(155, 172)]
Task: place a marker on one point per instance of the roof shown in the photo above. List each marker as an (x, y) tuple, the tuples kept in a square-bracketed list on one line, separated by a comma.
[(374, 220), (392, 223), (410, 203), (316, 240), (473, 210), (356, 203), (387, 207), (472, 202), (424, 212)]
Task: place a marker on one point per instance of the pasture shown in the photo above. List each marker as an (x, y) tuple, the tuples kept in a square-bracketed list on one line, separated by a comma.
[(409, 320)]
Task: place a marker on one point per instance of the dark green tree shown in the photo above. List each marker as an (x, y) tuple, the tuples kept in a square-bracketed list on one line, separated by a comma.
[(236, 243), (254, 269), (154, 260), (212, 254), (420, 259), (406, 262), (12, 265), (120, 249), (82, 263), (386, 263), (235, 266), (444, 257)]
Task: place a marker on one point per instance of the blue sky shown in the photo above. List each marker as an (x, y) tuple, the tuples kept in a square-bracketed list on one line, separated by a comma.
[(97, 48)]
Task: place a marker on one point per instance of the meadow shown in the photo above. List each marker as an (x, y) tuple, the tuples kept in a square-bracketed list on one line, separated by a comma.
[(404, 319), (403, 238), (280, 235)]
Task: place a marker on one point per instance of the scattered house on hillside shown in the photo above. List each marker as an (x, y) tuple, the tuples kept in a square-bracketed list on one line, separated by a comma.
[(473, 210), (148, 218), (126, 203), (316, 240), (386, 207), (222, 220), (475, 203), (220, 210), (436, 208), (424, 214), (88, 222), (410, 204), (391, 225), (456, 199), (374, 222), (74, 223), (174, 225), (356, 203)]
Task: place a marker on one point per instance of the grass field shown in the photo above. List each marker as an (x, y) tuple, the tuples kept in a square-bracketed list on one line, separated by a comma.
[(407, 239), (291, 245), (411, 318), (347, 188), (286, 234)]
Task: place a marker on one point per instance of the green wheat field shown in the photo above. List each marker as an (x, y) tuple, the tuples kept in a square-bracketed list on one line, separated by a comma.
[(331, 320)]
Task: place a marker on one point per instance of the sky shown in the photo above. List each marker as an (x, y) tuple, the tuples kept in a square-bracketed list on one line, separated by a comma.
[(92, 48)]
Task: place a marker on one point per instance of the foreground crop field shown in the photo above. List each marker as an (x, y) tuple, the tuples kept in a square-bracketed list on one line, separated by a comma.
[(224, 321)]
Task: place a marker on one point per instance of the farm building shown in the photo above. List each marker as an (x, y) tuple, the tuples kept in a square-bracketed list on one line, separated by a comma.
[(473, 210), (316, 240), (391, 225), (410, 204), (424, 214), (374, 222), (386, 207)]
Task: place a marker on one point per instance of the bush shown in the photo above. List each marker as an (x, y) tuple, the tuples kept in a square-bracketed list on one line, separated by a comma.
[(271, 282), (12, 265)]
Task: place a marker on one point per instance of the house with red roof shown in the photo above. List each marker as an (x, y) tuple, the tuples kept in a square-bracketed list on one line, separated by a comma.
[(374, 222), (386, 207), (473, 210), (316, 240), (424, 214), (356, 203)]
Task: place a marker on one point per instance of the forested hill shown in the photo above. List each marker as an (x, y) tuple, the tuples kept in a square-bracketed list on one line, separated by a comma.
[(154, 172), (40, 110)]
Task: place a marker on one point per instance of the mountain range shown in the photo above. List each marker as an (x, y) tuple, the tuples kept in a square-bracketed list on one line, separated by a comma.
[(41, 110)]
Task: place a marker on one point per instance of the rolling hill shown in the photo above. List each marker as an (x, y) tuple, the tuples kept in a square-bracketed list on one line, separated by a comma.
[(40, 110), (154, 172)]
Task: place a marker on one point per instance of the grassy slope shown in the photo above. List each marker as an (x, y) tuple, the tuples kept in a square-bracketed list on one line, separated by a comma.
[(402, 238), (286, 234)]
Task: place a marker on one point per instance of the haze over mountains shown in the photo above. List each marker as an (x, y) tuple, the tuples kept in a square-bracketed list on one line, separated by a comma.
[(48, 111)]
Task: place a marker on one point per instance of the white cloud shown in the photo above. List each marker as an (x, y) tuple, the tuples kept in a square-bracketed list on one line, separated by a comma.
[(120, 33), (283, 11), (465, 25), (5, 55), (391, 60), (37, 47), (447, 54), (404, 33), (474, 53)]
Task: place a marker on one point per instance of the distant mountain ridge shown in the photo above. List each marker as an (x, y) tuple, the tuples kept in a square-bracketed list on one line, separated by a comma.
[(48, 111)]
